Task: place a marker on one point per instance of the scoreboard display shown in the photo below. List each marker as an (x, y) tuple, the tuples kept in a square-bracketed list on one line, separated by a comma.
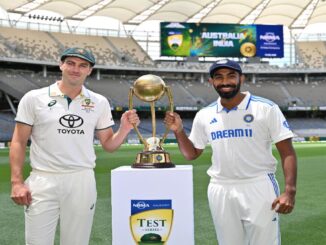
[(221, 40)]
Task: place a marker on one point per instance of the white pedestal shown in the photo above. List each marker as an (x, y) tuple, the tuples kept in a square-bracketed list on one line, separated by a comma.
[(140, 188)]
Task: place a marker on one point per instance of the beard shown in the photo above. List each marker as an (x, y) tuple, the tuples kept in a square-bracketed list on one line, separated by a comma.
[(230, 94)]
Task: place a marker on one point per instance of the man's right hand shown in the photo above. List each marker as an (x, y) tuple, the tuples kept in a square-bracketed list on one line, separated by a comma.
[(21, 194), (173, 121)]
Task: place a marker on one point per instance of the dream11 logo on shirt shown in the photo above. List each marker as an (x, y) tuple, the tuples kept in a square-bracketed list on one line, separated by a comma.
[(71, 123)]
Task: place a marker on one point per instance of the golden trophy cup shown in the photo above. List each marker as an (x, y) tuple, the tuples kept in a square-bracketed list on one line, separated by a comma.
[(150, 88)]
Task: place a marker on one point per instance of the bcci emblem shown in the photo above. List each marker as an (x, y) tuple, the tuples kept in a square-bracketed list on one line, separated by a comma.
[(175, 39), (151, 221), (248, 118)]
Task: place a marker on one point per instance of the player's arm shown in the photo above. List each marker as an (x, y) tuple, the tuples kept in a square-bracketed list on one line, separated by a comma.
[(285, 202), (20, 193), (174, 122), (111, 141)]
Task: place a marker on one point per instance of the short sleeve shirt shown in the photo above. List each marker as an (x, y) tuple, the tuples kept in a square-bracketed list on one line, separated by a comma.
[(63, 133), (241, 138)]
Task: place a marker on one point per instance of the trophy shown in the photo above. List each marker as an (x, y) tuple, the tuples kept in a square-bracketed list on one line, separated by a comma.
[(150, 88)]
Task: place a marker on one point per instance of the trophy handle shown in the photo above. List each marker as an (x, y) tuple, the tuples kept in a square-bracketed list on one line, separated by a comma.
[(131, 92), (170, 97), (153, 119)]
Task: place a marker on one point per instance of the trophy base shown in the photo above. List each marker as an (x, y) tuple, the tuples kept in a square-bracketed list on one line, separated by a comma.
[(153, 159)]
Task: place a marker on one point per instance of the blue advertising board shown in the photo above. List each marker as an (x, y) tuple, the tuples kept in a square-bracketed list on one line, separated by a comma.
[(270, 41)]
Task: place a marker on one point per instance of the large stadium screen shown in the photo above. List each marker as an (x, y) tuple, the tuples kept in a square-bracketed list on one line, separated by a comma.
[(221, 40)]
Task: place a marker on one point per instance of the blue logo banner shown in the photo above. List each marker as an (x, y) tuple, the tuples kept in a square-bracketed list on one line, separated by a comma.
[(270, 41), (144, 205)]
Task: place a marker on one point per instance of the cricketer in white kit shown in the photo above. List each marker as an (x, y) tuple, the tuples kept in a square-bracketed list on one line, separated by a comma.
[(243, 194), (60, 121)]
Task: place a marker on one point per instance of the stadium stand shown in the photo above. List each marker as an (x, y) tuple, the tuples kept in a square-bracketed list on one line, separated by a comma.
[(311, 94), (34, 45), (11, 83), (39, 79), (312, 54), (104, 54), (7, 125), (47, 46), (129, 51), (186, 92), (116, 90), (4, 50), (202, 94), (270, 89), (306, 127), (121, 61)]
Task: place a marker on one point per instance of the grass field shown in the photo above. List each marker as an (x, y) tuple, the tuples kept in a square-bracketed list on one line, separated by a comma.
[(306, 225)]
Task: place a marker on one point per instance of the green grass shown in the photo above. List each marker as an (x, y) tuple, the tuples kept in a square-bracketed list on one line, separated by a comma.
[(306, 225)]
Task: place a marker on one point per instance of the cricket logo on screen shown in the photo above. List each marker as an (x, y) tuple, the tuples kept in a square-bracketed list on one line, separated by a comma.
[(151, 221), (175, 39)]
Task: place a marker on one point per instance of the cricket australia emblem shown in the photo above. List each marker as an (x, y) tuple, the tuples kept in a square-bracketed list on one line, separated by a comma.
[(88, 105)]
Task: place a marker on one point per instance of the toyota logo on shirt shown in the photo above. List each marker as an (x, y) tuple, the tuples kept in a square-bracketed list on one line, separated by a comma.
[(71, 122)]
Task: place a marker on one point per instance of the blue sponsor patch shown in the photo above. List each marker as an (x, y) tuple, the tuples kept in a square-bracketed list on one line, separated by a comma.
[(231, 133), (143, 205)]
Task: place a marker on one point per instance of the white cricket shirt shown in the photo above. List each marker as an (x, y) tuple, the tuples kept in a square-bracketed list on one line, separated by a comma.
[(241, 139), (62, 135)]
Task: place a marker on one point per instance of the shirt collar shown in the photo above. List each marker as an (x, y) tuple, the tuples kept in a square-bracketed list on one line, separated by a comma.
[(54, 91), (242, 106)]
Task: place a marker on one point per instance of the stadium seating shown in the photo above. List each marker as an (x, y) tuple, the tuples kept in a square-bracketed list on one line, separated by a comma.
[(7, 125), (129, 51), (305, 127), (186, 92), (272, 90), (311, 94), (116, 90), (47, 46), (11, 83), (28, 44), (312, 54), (101, 49), (121, 60)]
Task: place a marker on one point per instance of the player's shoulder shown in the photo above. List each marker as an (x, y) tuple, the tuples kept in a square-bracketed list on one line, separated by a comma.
[(36, 92), (261, 101), (207, 109)]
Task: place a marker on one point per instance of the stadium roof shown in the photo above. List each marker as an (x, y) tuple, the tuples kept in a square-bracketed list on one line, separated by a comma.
[(291, 13)]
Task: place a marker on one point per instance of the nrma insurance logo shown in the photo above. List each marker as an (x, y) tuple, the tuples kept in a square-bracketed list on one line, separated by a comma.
[(151, 221), (270, 37)]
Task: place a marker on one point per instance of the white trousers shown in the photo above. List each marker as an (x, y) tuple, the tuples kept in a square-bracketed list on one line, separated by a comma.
[(68, 197), (241, 211)]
